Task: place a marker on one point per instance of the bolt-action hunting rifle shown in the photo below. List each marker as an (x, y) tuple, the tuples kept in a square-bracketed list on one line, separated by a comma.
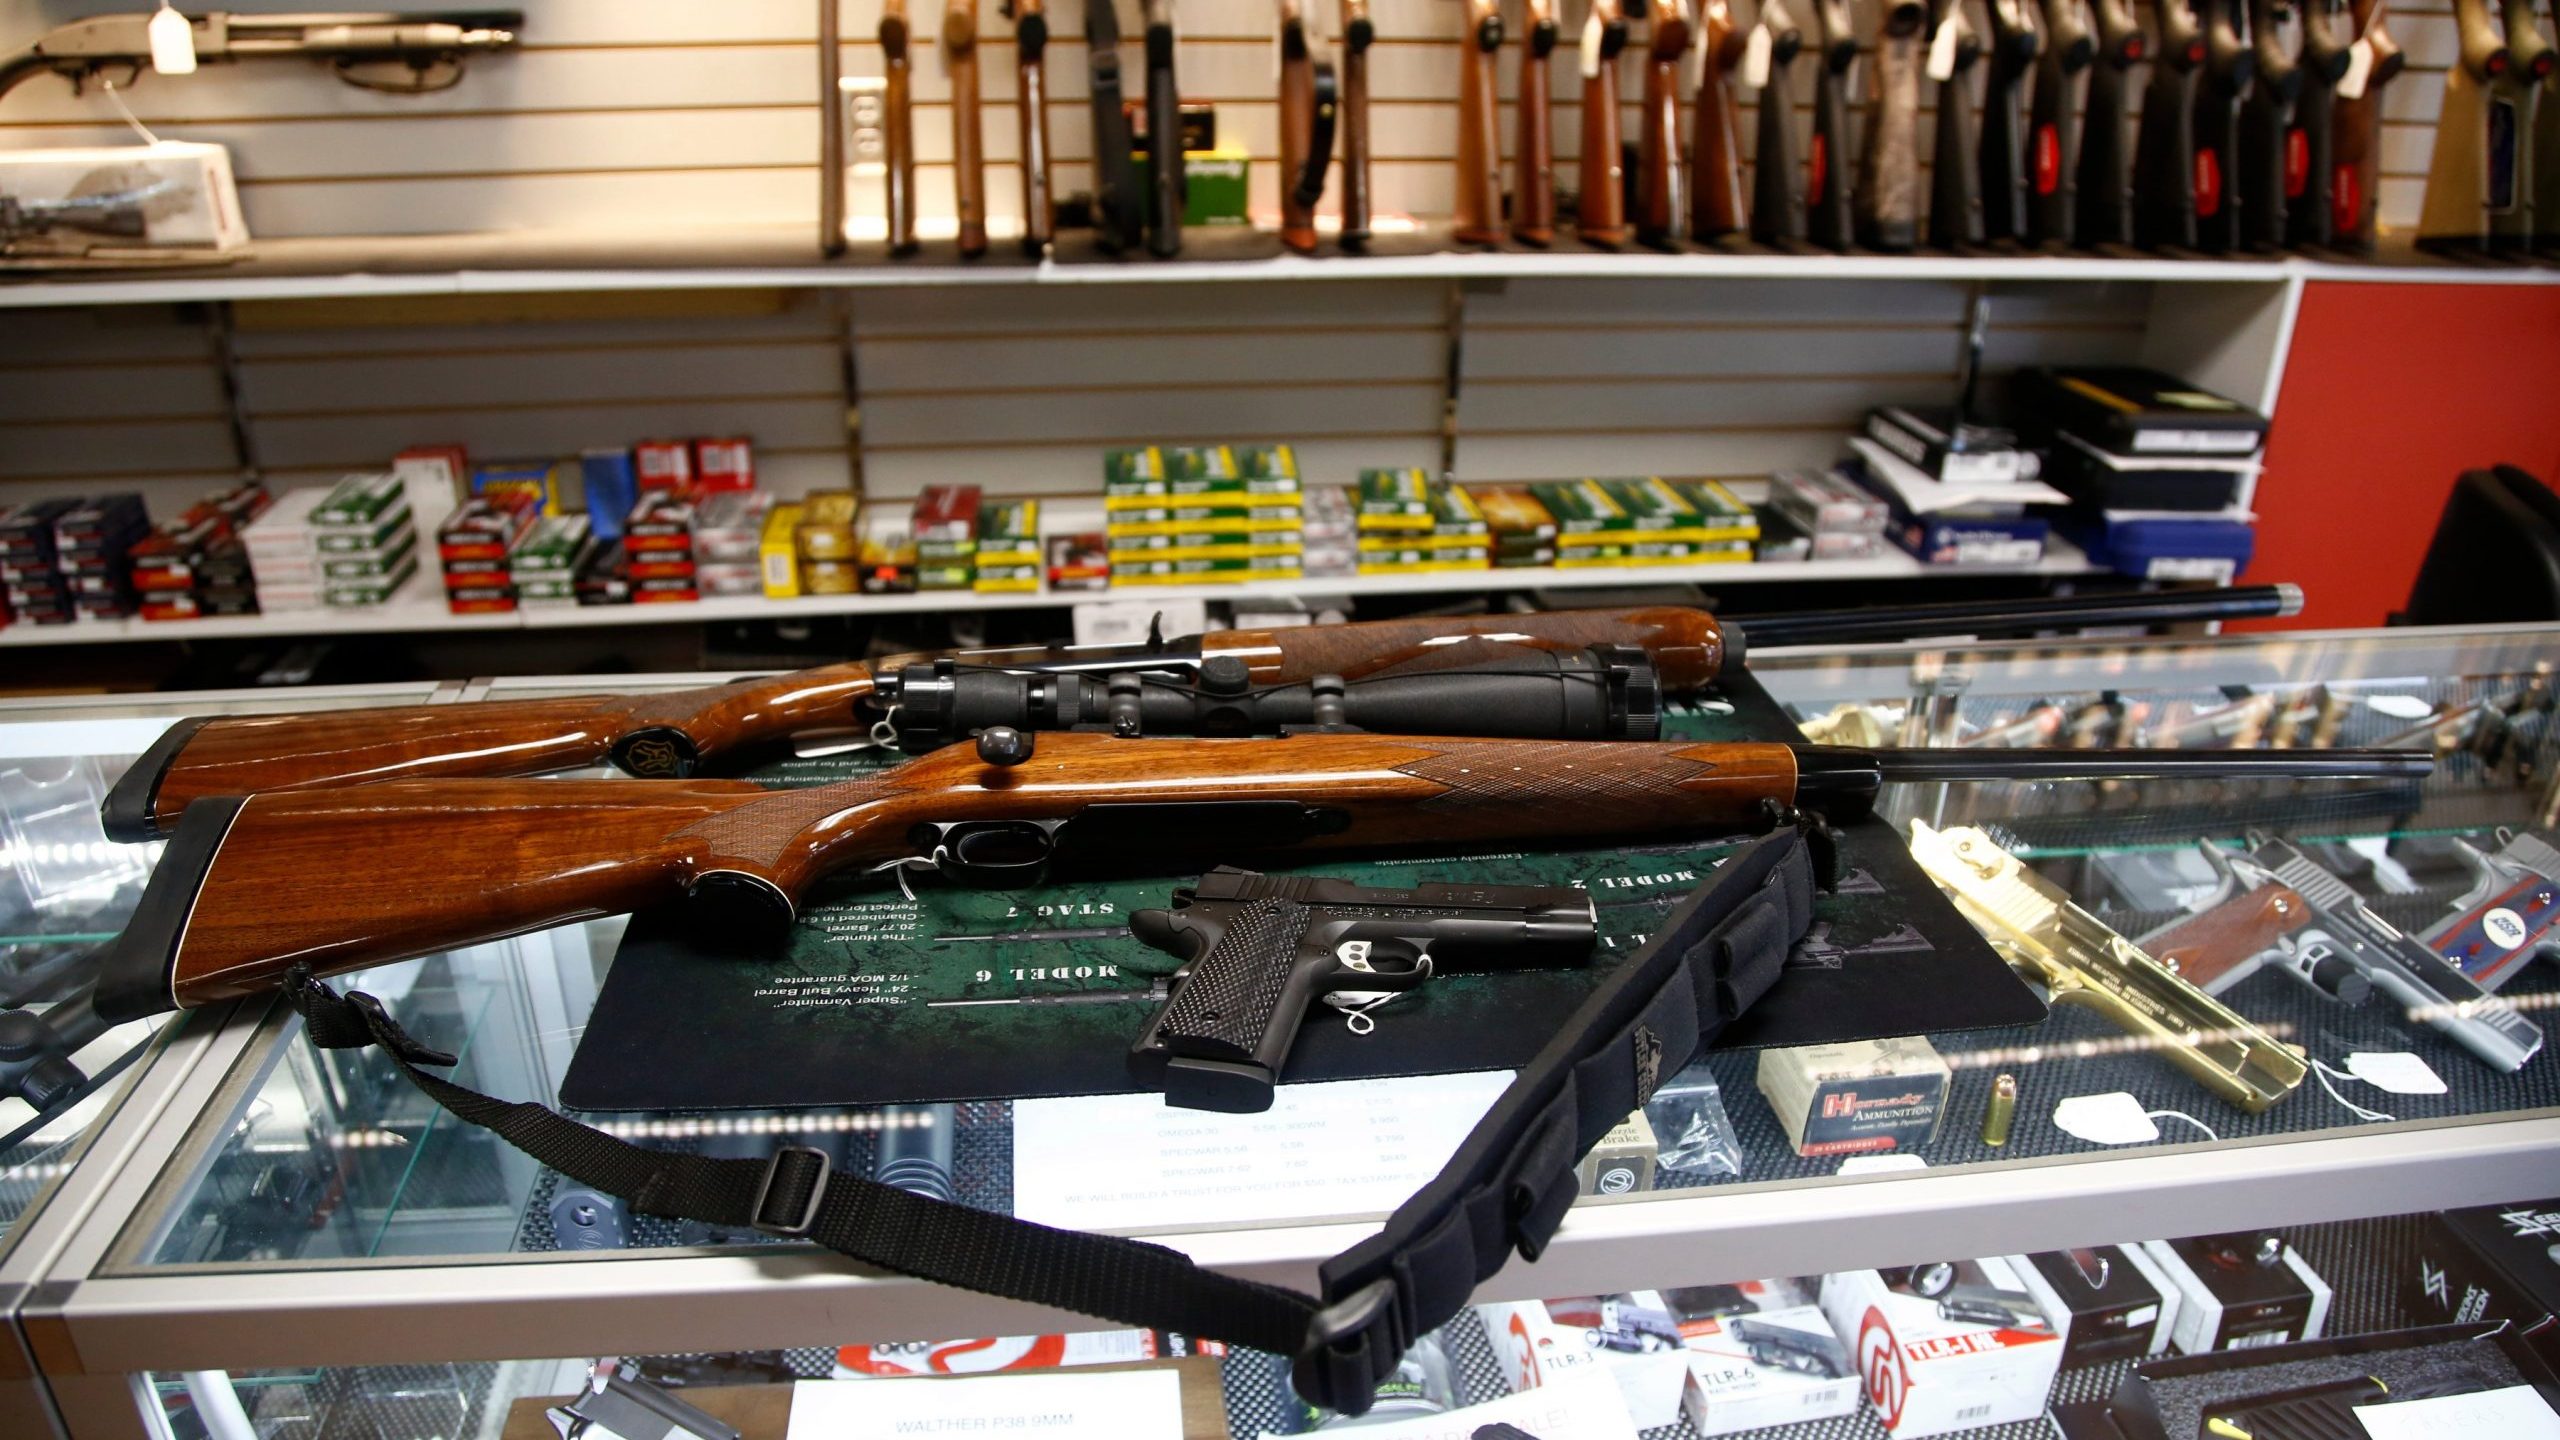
[(2356, 133), (251, 890), (1558, 675)]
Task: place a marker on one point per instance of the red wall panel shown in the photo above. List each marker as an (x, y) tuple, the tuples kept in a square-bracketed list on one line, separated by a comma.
[(2391, 391)]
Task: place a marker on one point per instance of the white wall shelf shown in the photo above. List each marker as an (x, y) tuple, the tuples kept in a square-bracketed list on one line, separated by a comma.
[(419, 608)]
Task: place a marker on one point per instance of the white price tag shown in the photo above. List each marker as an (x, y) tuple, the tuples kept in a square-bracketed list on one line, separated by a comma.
[(2359, 70), (1942, 48), (1593, 33), (2115, 1119), (1884, 1164), (2399, 707), (2398, 1072), (1755, 58), (173, 42)]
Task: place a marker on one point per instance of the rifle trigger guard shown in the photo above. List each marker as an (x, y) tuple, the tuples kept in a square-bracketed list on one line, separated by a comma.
[(987, 852)]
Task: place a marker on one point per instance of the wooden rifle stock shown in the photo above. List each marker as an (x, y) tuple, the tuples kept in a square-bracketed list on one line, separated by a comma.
[(968, 142), (334, 881), (1715, 139), (1031, 44), (1357, 33), (1600, 212), (2105, 180), (2463, 186), (2015, 44), (1777, 177), (1478, 209), (1828, 179), (830, 128), (2310, 142), (1168, 183), (2266, 118), (2164, 151), (2228, 68), (1297, 128), (2053, 127), (898, 126), (2529, 76), (1888, 197), (1533, 198), (1661, 210), (1955, 203), (2356, 135), (672, 734)]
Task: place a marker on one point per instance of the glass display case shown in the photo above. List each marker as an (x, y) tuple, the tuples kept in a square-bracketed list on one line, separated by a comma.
[(302, 1239)]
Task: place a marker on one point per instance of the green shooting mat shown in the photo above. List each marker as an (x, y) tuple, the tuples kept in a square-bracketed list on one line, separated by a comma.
[(960, 993)]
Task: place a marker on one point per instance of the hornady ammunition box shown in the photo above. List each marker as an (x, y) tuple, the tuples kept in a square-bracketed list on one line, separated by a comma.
[(2134, 411), (2240, 1291), (1079, 562), (611, 484), (1206, 545), (1856, 1096), (2488, 1263), (357, 501), (1759, 1353), (664, 590), (2111, 1301), (777, 559), (1630, 1337), (727, 463), (1946, 1346), (826, 527), (1511, 511), (1395, 499), (663, 464), (728, 525), (659, 565)]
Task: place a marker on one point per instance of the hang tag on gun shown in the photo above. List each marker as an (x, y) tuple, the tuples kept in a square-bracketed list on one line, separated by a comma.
[(2359, 71), (1355, 1005), (2112, 1119), (1593, 33), (1942, 48), (1755, 58), (2396, 1072)]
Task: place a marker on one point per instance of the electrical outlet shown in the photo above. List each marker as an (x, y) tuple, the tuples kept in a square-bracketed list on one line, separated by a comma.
[(866, 156)]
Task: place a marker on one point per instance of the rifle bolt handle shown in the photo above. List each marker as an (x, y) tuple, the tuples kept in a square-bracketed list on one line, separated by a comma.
[(1004, 745)]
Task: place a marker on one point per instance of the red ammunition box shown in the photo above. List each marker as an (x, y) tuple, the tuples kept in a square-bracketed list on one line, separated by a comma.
[(103, 524), (663, 591), (663, 464), (486, 528), (728, 463), (946, 512), (26, 528), (659, 565)]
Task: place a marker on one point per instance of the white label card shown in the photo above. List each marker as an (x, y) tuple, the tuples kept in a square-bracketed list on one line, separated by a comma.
[(1755, 58), (1594, 35), (1118, 1405), (1882, 1164), (2515, 1413), (2359, 70), (1576, 1405), (2397, 1071), (1942, 48), (2115, 1119), (1132, 1162)]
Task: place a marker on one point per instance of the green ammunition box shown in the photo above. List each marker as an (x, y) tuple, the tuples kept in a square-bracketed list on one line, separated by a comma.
[(551, 548), (1157, 570), (1655, 505), (359, 500), (1542, 554), (1004, 579), (931, 576), (1394, 499), (376, 535), (1213, 185), (1652, 552), (1226, 491), (1237, 543), (1380, 542), (1201, 462), (1416, 561), (1721, 507), (1153, 518), (550, 587), (946, 552), (1255, 462), (1128, 467), (371, 564), (368, 592), (1581, 507)]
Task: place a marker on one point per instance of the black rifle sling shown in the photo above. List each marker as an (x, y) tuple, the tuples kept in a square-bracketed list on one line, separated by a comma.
[(1507, 1187)]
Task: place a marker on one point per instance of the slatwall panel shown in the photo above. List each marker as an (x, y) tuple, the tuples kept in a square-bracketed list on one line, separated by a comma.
[(1019, 391), (1723, 379), (110, 399), (622, 113)]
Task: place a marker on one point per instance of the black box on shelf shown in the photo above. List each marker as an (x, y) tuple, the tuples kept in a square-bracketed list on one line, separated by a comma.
[(2238, 1291), (2112, 1301), (2104, 480), (2133, 411), (2491, 1262), (2183, 1396)]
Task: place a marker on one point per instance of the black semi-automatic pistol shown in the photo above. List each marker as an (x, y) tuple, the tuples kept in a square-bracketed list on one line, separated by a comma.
[(1258, 949)]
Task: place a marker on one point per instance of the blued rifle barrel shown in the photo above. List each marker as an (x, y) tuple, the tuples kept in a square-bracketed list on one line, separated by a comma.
[(1898, 766), (1977, 617)]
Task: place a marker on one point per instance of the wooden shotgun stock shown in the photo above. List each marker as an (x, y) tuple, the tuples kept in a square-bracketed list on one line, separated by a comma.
[(1661, 210), (2053, 124), (2310, 141), (1955, 202), (1357, 33), (2266, 118), (1031, 44), (1600, 209), (1828, 181), (2015, 44), (2355, 130), (340, 880), (1478, 208), (1297, 129), (2466, 182), (1533, 197), (673, 734), (2229, 67), (968, 142), (2164, 149), (2529, 78), (1887, 203), (1777, 177), (898, 127), (2105, 179), (1715, 138)]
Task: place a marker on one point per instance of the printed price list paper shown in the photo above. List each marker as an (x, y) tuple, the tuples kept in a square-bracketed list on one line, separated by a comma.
[(1121, 1405)]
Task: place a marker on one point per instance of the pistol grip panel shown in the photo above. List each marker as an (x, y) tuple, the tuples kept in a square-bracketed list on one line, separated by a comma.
[(1227, 1005)]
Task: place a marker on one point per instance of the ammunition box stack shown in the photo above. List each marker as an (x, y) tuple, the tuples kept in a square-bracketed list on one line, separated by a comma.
[(657, 549), (548, 482), (282, 564), (1636, 522), (1523, 533), (1330, 531), (436, 476), (195, 566), (777, 557), (885, 555), (473, 546), (1207, 514), (35, 588), (1412, 523), (829, 551), (663, 464), (543, 567), (946, 537), (728, 538), (365, 533), (1009, 548), (1729, 521), (611, 484), (728, 463), (2154, 468), (93, 554), (1839, 521)]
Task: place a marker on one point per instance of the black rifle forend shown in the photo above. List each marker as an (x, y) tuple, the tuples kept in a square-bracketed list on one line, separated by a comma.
[(1119, 210), (401, 52), (2001, 617), (1258, 949)]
